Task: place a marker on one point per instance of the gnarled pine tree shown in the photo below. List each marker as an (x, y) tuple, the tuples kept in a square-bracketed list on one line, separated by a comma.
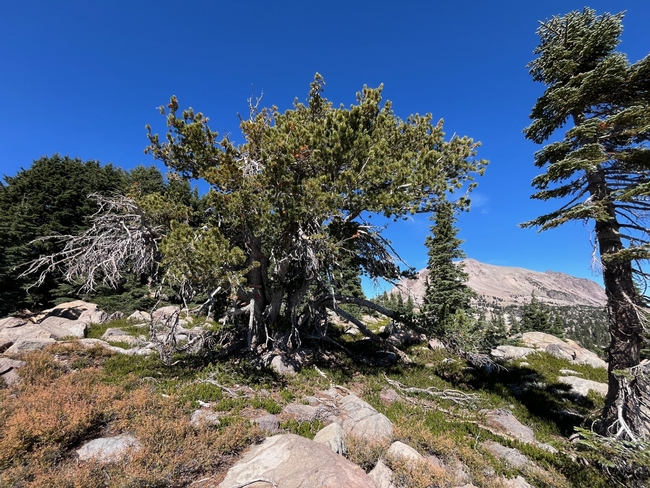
[(288, 208), (293, 196), (601, 170)]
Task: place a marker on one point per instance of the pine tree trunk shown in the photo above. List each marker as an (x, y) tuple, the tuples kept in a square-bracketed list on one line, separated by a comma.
[(622, 415)]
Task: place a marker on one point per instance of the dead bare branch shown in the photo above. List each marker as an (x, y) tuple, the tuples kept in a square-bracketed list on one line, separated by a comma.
[(455, 396), (120, 238)]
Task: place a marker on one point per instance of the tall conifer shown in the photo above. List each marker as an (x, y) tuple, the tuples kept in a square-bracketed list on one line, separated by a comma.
[(447, 292), (600, 170)]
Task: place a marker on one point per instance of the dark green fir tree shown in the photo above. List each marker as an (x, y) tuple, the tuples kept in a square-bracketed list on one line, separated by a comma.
[(447, 295)]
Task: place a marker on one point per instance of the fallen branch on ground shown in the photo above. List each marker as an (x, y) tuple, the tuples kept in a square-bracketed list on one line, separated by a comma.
[(455, 396)]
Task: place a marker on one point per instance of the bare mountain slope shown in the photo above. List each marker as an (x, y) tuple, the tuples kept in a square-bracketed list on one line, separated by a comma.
[(514, 286)]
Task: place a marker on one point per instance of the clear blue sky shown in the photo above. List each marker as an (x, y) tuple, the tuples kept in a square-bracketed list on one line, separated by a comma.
[(82, 78)]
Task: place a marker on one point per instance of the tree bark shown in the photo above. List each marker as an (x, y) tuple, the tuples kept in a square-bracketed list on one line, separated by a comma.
[(622, 414)]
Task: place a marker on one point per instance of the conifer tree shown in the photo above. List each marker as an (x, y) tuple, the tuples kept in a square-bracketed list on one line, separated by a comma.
[(535, 316), (447, 293), (601, 172), (50, 197), (496, 333), (289, 203)]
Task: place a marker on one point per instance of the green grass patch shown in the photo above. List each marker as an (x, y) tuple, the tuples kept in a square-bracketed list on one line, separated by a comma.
[(304, 429)]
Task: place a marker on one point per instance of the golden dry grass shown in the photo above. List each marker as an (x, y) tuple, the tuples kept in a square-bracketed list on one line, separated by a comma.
[(53, 412)]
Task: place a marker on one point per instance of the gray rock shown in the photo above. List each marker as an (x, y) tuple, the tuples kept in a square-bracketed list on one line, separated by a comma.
[(567, 349), (382, 476), (139, 316), (389, 396), (136, 351), (25, 345), (282, 366), (436, 344), (401, 336), (435, 461), (581, 386), (7, 365), (11, 322), (512, 457), (332, 437), (502, 421), (9, 336), (363, 421), (311, 400), (518, 482), (291, 461), (118, 335), (165, 313), (301, 413), (108, 449), (77, 310), (60, 327), (399, 451), (511, 352), (268, 423), (8, 374), (205, 418)]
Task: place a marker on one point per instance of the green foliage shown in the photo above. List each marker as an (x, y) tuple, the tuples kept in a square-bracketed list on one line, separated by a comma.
[(304, 429), (49, 198), (537, 316), (446, 302), (200, 260), (268, 404), (292, 197), (625, 463)]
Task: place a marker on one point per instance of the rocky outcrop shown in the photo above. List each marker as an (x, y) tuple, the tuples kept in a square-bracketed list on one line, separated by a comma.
[(67, 320), (355, 416), (565, 349), (332, 437), (363, 421), (582, 387), (382, 475), (291, 461), (8, 373), (502, 421), (511, 352), (398, 451)]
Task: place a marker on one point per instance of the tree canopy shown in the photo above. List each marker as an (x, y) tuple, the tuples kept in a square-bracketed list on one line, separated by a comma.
[(600, 170), (288, 211)]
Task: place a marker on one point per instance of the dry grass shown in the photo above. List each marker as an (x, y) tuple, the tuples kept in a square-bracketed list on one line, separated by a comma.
[(364, 453), (54, 412), (70, 394), (409, 474)]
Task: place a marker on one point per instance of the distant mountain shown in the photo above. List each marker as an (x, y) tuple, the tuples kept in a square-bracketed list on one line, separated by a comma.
[(505, 286)]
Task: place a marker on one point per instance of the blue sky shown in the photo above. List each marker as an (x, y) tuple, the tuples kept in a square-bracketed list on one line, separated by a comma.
[(82, 78)]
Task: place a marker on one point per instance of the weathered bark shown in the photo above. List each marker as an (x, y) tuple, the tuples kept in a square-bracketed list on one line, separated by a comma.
[(255, 297), (621, 415)]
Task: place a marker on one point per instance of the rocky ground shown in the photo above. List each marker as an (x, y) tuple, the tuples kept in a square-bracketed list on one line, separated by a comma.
[(313, 419)]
